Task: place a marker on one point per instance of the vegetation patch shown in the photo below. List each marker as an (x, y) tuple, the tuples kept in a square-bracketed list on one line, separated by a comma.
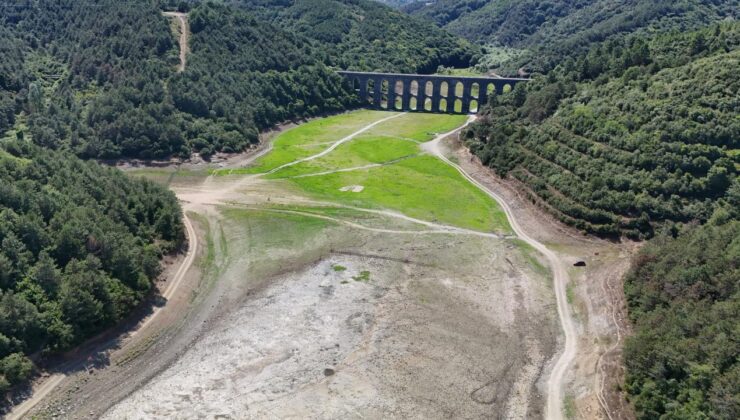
[(569, 407), (363, 277), (422, 187), (531, 256), (603, 143), (683, 296), (274, 230), (309, 139), (570, 293), (366, 149), (81, 245)]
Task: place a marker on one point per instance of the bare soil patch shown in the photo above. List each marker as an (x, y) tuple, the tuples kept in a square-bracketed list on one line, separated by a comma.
[(595, 379), (398, 339)]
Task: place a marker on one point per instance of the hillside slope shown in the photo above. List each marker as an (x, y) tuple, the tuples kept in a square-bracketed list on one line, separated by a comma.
[(684, 300), (119, 94), (554, 28), (365, 35), (102, 81), (630, 135), (80, 248)]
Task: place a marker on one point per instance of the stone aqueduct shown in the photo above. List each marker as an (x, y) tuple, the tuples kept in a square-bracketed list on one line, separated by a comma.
[(426, 93)]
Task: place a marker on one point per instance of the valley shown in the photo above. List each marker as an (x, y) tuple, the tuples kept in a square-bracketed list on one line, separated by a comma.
[(303, 209), (312, 299)]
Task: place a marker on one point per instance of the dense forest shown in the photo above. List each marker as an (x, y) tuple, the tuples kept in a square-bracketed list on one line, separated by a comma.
[(362, 35), (684, 301), (551, 29), (99, 78), (636, 132), (80, 247)]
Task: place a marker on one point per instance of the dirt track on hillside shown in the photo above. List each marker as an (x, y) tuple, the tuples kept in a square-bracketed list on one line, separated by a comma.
[(184, 40)]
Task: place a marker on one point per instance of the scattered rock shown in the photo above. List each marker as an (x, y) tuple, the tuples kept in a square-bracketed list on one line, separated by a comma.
[(580, 264), (328, 372), (353, 188)]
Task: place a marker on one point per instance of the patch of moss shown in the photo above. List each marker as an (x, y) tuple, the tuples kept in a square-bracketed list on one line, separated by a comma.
[(364, 276)]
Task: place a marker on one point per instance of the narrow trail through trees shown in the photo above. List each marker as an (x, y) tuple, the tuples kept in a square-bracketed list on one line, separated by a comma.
[(182, 19)]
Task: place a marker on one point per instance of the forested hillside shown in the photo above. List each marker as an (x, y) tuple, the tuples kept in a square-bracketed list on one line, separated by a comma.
[(632, 130), (548, 30), (684, 300), (80, 247), (99, 78), (364, 35), (635, 133)]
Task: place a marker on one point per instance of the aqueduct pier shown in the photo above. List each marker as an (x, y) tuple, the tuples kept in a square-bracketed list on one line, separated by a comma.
[(425, 92)]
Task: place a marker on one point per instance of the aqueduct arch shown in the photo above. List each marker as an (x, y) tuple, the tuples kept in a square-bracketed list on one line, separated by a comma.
[(396, 91)]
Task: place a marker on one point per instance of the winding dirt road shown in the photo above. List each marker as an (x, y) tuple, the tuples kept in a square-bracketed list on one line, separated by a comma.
[(554, 407)]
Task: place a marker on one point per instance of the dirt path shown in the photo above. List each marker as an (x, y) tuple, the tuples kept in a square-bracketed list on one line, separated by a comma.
[(182, 18), (53, 381), (335, 144), (179, 275), (554, 408), (433, 227)]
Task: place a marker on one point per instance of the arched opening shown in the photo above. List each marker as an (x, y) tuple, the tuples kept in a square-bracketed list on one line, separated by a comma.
[(459, 88), (475, 90), (412, 103), (399, 95), (473, 106), (370, 90), (507, 88), (458, 106), (443, 87), (490, 89), (429, 88), (384, 94), (356, 84), (442, 105), (414, 88), (428, 104)]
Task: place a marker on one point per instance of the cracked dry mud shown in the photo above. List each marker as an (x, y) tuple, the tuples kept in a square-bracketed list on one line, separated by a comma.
[(464, 336)]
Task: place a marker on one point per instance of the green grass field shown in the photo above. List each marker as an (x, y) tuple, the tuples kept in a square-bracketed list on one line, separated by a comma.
[(422, 187), (364, 150), (311, 138), (409, 181)]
